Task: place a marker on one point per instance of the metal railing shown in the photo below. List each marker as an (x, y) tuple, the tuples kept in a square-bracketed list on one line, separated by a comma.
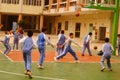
[(25, 2)]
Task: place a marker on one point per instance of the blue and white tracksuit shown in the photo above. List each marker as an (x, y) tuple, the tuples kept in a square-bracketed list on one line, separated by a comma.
[(41, 42), (118, 42), (16, 40), (86, 44), (28, 44), (107, 48), (6, 44), (68, 49), (61, 40)]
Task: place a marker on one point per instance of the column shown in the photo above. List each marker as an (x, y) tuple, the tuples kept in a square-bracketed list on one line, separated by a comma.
[(50, 2), (37, 22), (58, 5), (42, 4), (19, 17), (67, 5), (0, 18), (78, 2), (102, 1), (41, 22)]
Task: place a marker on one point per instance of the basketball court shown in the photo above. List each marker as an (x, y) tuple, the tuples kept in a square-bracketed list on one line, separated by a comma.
[(16, 56)]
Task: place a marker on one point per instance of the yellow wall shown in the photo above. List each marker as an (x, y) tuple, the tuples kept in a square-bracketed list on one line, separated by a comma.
[(98, 19), (14, 8)]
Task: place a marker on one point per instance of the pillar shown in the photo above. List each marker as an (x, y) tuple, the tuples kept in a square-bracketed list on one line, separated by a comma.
[(19, 17), (41, 22), (42, 4), (115, 25), (67, 5), (50, 2), (37, 22), (0, 18), (58, 5), (78, 2)]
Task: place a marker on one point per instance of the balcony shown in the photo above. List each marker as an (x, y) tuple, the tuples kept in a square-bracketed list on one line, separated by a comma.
[(21, 6), (72, 4)]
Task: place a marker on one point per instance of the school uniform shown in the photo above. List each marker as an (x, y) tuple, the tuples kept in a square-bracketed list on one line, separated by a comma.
[(41, 42), (28, 44), (107, 48), (86, 44), (68, 49), (6, 43), (61, 40), (16, 40), (118, 46)]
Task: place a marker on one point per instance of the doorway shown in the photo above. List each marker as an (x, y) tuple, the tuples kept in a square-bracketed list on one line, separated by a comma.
[(102, 33)]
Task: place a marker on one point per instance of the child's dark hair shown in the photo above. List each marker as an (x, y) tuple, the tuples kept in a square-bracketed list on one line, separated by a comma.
[(107, 39), (6, 32), (62, 32), (118, 35), (90, 33), (70, 34), (44, 29), (30, 33)]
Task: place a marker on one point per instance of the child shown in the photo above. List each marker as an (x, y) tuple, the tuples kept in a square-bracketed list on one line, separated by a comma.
[(42, 39), (6, 42), (16, 40), (107, 48), (86, 44), (28, 44), (118, 43), (61, 40), (68, 48)]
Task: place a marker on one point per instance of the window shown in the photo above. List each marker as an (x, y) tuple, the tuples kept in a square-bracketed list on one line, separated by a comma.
[(77, 30), (32, 2), (54, 1), (46, 2), (66, 25)]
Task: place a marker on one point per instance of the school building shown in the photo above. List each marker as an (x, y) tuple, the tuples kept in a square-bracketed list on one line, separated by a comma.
[(58, 15)]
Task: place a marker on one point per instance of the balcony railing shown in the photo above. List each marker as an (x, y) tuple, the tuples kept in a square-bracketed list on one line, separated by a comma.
[(25, 2)]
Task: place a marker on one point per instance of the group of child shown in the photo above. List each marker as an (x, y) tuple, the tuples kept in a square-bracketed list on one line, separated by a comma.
[(63, 47), (16, 36)]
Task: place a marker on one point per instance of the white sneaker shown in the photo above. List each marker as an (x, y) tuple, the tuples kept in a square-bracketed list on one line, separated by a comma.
[(77, 61), (12, 50), (55, 59), (40, 67), (103, 69)]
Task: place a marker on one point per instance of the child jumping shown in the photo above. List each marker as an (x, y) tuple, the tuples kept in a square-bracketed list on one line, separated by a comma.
[(107, 48), (68, 48), (28, 44)]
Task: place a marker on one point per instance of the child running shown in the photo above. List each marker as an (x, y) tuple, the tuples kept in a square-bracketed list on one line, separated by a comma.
[(68, 48), (61, 40), (118, 44), (28, 44), (107, 48), (6, 42), (41, 42)]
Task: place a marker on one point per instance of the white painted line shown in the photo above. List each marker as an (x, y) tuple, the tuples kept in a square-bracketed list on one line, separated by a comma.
[(18, 74), (7, 56)]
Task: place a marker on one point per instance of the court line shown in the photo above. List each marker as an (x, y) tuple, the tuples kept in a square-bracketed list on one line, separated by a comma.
[(40, 77), (7, 56)]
